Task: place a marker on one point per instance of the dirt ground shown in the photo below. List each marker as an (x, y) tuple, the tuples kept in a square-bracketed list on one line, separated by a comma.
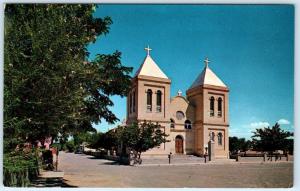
[(85, 171)]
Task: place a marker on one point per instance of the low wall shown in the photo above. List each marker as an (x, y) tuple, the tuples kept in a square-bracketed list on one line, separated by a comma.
[(260, 158)]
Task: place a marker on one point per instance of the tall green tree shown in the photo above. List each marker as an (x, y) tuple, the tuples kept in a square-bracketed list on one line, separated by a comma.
[(142, 137), (83, 137), (238, 144), (51, 85), (271, 139), (137, 137), (109, 140)]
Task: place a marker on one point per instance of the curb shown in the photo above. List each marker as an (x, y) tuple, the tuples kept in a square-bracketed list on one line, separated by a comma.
[(212, 163)]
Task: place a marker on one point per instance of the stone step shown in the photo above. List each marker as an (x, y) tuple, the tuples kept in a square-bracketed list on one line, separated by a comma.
[(173, 156), (223, 161), (49, 179), (174, 159), (52, 174)]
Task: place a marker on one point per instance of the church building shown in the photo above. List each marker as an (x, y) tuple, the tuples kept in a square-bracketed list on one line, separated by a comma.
[(191, 121)]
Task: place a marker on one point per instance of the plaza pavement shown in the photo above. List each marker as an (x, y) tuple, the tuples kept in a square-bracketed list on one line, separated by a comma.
[(86, 171)]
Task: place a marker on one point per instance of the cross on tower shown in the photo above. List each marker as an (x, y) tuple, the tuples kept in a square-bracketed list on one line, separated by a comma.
[(206, 61), (148, 49)]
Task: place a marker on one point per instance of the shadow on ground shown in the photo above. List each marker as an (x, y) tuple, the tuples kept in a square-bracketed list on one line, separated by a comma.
[(51, 182), (110, 163), (105, 163), (93, 158)]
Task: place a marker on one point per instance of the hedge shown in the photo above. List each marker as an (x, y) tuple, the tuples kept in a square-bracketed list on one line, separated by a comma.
[(20, 168)]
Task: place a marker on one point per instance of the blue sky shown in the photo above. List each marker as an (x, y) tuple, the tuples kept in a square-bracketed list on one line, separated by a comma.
[(251, 48)]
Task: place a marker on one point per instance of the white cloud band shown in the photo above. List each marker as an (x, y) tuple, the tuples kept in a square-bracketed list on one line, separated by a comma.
[(259, 124), (283, 122)]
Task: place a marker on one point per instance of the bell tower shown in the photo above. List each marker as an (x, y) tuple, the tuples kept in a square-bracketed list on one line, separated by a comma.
[(149, 98), (209, 95)]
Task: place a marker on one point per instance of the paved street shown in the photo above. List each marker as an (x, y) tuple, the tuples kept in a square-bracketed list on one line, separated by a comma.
[(86, 171)]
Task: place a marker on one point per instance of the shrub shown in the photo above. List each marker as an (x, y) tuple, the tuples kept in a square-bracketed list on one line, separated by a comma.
[(70, 146), (20, 168), (59, 146)]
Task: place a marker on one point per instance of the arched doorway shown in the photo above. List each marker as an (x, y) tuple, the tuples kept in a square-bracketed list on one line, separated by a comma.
[(179, 144)]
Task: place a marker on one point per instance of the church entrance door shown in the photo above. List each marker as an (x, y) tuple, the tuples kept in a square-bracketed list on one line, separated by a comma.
[(179, 145)]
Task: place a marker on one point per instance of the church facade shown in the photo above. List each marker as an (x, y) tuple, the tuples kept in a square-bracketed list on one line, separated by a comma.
[(191, 121)]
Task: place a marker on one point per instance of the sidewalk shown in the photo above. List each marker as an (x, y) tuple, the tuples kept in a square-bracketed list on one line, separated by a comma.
[(200, 161), (52, 174), (50, 179)]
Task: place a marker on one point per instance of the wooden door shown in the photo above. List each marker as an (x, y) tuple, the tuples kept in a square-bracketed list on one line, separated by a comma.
[(179, 145)]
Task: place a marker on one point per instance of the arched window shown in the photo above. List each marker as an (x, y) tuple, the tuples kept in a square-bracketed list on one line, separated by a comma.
[(212, 106), (158, 101), (130, 103), (133, 100), (213, 136), (187, 124), (219, 107), (220, 138), (179, 115), (172, 125), (149, 100)]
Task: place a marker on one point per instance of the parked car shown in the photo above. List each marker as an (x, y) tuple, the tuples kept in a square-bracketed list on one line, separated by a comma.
[(79, 150)]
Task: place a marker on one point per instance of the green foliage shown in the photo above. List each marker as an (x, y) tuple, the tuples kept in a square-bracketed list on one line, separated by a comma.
[(58, 146), (95, 140), (82, 137), (70, 146), (51, 86), (290, 146), (106, 140), (19, 168), (238, 144), (271, 139), (140, 138)]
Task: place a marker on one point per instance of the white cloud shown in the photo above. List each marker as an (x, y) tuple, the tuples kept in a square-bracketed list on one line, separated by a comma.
[(283, 122), (246, 130), (260, 124)]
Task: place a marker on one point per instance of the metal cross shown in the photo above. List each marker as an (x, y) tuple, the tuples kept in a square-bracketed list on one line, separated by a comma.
[(206, 61), (148, 49)]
